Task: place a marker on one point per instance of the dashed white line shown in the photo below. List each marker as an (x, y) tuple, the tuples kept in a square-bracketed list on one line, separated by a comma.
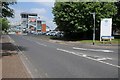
[(41, 44), (36, 70), (46, 74), (11, 40), (101, 59), (36, 42), (85, 56), (26, 58), (93, 49)]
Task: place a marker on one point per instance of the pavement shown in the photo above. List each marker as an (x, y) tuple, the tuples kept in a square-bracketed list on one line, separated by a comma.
[(11, 65)]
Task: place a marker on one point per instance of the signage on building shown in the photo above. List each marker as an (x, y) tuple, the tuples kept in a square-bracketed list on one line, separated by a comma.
[(32, 21)]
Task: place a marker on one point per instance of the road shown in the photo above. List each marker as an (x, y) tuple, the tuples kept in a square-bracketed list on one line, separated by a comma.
[(45, 59)]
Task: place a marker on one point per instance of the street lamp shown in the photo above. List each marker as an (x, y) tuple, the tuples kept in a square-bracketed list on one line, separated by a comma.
[(93, 28)]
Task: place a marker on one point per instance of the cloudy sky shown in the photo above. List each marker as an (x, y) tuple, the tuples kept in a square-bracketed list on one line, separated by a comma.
[(42, 7)]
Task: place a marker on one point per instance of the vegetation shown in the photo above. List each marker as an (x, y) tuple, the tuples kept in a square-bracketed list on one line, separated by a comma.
[(6, 12), (116, 18), (75, 18), (4, 22)]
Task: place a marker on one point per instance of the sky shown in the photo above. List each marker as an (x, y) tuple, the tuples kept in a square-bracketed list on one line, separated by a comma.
[(42, 7)]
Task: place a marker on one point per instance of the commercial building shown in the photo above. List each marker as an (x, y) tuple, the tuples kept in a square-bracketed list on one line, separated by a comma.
[(31, 22)]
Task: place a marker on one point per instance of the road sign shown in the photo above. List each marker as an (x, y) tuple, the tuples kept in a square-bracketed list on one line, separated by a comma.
[(106, 28)]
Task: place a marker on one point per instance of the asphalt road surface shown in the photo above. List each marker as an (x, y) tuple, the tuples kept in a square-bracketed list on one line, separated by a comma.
[(45, 59)]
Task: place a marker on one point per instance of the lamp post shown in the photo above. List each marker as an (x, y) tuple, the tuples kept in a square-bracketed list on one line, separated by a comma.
[(93, 27)]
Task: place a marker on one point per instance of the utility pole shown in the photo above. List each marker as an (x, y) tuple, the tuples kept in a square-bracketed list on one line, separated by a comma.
[(93, 27)]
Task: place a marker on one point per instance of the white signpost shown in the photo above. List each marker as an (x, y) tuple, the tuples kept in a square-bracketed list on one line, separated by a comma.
[(106, 29)]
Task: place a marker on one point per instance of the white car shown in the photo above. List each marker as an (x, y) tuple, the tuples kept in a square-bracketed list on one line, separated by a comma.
[(60, 34), (54, 33), (32, 32), (39, 32), (48, 33), (36, 33)]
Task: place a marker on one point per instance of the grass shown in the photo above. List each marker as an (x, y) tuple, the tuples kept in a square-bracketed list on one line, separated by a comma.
[(114, 41)]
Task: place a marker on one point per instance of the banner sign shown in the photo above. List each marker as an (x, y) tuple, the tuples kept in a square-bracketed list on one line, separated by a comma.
[(32, 20), (106, 28)]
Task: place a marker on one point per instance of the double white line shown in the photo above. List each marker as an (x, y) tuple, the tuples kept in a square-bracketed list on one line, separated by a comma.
[(85, 56), (93, 49)]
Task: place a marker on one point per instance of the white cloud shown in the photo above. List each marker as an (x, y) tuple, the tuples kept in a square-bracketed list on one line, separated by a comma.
[(17, 17), (36, 0), (42, 12), (39, 11), (49, 22), (49, 4)]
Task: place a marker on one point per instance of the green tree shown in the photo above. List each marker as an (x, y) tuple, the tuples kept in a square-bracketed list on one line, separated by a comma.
[(75, 16), (116, 19), (4, 23), (6, 10)]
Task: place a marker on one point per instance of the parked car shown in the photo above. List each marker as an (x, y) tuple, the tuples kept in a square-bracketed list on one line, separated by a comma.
[(39, 33), (48, 33), (43, 33), (53, 33), (36, 33), (32, 32), (60, 34)]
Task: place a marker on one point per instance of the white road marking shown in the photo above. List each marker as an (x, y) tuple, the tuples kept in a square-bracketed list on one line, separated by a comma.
[(41, 44), (20, 52), (101, 59), (24, 63), (11, 40), (36, 42), (85, 56), (46, 74), (36, 70), (93, 49), (26, 58)]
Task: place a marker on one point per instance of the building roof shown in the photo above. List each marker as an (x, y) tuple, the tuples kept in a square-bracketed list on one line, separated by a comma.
[(25, 13)]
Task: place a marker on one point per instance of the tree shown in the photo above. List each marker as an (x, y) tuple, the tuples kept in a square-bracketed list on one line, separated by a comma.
[(75, 16), (5, 24), (6, 10), (116, 19)]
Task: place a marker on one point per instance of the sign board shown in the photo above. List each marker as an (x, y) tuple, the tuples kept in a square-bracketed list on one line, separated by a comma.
[(32, 20), (106, 28)]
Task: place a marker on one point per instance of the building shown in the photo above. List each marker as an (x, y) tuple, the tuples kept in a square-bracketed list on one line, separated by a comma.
[(24, 18), (31, 22)]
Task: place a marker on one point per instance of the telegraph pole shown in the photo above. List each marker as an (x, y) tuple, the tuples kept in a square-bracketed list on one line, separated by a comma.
[(93, 27)]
